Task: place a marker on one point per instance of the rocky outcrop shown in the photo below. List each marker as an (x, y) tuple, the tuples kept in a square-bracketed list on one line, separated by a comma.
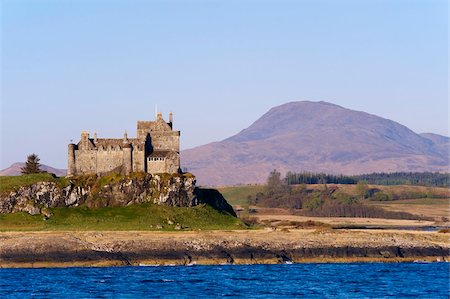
[(92, 191), (32, 199), (169, 190)]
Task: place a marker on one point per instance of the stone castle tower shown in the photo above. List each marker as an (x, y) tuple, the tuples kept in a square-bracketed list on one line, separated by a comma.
[(156, 149)]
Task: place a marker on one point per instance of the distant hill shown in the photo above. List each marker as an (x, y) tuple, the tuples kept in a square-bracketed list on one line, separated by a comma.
[(442, 143), (318, 137), (15, 169)]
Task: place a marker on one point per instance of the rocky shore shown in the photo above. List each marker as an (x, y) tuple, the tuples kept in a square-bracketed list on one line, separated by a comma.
[(64, 249)]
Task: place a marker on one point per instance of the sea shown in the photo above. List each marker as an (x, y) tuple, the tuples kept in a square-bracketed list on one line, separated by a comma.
[(339, 280)]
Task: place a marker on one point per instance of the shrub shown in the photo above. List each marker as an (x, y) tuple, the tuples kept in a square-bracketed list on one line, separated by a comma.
[(381, 196), (315, 202), (345, 198)]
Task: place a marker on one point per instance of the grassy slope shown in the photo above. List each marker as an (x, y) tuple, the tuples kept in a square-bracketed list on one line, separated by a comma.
[(135, 217), (10, 183), (431, 207), (238, 195)]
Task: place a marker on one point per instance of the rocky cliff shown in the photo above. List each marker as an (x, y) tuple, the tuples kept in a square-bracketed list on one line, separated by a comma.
[(113, 190)]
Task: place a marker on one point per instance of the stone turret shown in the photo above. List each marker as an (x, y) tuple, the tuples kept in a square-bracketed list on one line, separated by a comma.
[(127, 159), (127, 155), (71, 170)]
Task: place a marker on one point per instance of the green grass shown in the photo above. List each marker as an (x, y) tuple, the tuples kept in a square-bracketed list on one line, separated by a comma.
[(238, 195), (136, 217), (11, 183)]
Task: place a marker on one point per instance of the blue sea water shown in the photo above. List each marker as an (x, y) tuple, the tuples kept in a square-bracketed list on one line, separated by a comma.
[(352, 280)]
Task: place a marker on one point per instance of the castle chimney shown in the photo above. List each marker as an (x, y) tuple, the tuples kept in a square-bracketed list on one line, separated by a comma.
[(159, 116), (125, 136), (95, 137), (171, 117), (84, 135)]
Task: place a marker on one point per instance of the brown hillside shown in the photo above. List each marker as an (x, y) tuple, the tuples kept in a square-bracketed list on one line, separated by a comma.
[(318, 137)]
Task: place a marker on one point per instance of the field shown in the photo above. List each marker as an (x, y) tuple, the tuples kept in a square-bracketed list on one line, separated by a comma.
[(432, 207), (436, 205), (237, 196), (137, 217)]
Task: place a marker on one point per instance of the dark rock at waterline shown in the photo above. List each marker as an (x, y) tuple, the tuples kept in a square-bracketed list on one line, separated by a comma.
[(227, 255)]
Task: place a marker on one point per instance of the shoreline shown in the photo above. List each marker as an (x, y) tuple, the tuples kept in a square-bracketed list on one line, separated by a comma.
[(132, 248), (238, 262)]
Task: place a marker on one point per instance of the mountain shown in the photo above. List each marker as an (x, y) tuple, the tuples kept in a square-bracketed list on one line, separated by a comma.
[(15, 169), (319, 137), (442, 143)]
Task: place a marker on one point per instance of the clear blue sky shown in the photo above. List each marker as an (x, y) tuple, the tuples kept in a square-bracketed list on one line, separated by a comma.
[(69, 66)]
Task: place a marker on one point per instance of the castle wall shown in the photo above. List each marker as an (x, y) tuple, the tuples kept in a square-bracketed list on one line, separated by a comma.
[(172, 163), (138, 161), (142, 134), (85, 161), (108, 160), (156, 166), (169, 164), (166, 140)]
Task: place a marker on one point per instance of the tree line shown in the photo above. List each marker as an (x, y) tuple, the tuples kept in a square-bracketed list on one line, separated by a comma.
[(432, 179), (325, 201)]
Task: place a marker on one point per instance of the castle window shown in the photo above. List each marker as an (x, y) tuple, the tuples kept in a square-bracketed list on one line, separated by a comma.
[(156, 158)]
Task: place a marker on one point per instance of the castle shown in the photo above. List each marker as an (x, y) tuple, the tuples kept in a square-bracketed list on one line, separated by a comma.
[(156, 149)]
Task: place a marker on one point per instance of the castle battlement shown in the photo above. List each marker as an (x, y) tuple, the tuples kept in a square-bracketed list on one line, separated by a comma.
[(156, 149)]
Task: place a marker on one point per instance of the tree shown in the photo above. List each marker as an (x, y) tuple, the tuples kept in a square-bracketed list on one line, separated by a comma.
[(275, 186), (315, 202), (362, 190), (31, 165)]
